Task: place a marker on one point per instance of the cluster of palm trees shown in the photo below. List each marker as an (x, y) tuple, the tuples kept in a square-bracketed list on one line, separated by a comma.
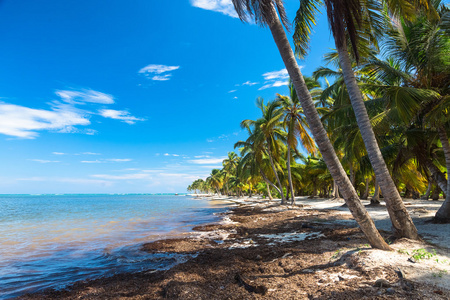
[(381, 125)]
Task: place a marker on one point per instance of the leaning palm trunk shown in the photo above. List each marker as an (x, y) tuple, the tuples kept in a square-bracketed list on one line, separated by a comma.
[(269, 182), (366, 192), (443, 214), (428, 192), (401, 221), (283, 200), (437, 175), (335, 190), (375, 200), (357, 209), (269, 194), (291, 186)]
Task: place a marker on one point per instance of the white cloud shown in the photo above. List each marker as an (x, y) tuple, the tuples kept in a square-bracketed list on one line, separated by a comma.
[(82, 181), (201, 156), (249, 83), (83, 96), (58, 153), (122, 177), (158, 72), (168, 154), (43, 161), (91, 153), (23, 122), (223, 6), (63, 116), (206, 161), (275, 79), (273, 84), (232, 91), (276, 75), (119, 159), (106, 160), (119, 115)]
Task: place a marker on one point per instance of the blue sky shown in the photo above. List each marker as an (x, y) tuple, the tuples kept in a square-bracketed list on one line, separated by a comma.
[(139, 96)]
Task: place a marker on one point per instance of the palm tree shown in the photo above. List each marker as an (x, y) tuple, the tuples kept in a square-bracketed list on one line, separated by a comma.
[(296, 126), (216, 180), (265, 13), (267, 135), (420, 98), (346, 20), (229, 166)]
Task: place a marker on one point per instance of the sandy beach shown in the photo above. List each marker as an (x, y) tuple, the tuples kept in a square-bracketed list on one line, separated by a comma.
[(262, 250)]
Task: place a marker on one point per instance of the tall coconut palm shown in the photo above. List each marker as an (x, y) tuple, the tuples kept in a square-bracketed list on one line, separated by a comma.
[(264, 12), (229, 166), (346, 20), (421, 47), (297, 128), (254, 160), (267, 135)]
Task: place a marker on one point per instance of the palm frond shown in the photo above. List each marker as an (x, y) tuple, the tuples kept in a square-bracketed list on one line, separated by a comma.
[(304, 21)]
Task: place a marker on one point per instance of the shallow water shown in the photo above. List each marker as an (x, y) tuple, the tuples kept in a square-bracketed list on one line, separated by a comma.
[(55, 240)]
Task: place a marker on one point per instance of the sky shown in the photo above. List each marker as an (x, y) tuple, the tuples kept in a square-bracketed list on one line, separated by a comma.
[(141, 96)]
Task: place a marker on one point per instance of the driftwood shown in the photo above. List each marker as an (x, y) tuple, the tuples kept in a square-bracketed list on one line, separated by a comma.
[(242, 281)]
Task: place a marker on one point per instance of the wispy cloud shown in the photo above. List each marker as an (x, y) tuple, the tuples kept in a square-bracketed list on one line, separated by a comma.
[(122, 177), (24, 122), (232, 91), (91, 161), (206, 161), (90, 153), (63, 115), (158, 72), (118, 159), (43, 161), (58, 153), (119, 115), (275, 79), (82, 181), (100, 161), (168, 154), (83, 96), (248, 83), (223, 6), (222, 137)]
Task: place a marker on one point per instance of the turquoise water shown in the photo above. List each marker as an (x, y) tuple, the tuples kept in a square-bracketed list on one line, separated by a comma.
[(55, 240)]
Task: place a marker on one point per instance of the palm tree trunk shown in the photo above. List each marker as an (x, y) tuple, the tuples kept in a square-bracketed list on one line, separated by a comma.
[(437, 175), (427, 193), (366, 192), (269, 194), (401, 220), (335, 190), (291, 186), (268, 181), (443, 214), (320, 135), (283, 200), (352, 175)]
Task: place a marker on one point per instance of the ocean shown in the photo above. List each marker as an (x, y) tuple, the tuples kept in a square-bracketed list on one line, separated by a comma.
[(51, 241)]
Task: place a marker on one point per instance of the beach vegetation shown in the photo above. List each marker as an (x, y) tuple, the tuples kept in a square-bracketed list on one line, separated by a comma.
[(374, 123)]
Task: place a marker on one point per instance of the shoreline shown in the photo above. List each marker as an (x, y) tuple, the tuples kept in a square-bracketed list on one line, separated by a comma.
[(264, 250)]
